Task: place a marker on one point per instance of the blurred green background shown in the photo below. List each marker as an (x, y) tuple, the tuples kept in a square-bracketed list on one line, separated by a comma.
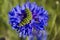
[(53, 28)]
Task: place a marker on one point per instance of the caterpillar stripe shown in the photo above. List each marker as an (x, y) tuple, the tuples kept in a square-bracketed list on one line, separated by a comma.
[(27, 19)]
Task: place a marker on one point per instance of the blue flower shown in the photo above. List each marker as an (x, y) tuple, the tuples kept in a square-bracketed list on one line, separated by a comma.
[(41, 35), (27, 18)]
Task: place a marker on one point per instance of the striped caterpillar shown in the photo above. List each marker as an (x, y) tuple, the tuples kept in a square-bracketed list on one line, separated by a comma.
[(27, 19)]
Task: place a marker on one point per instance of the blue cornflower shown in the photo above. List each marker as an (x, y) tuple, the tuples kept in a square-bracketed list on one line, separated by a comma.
[(27, 18)]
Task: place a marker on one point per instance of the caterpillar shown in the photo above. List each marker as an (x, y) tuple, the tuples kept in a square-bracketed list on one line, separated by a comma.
[(27, 19)]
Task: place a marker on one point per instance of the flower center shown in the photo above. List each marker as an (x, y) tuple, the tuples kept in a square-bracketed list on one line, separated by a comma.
[(27, 17)]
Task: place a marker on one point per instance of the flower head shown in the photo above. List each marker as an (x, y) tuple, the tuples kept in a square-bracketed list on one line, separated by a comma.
[(27, 18)]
